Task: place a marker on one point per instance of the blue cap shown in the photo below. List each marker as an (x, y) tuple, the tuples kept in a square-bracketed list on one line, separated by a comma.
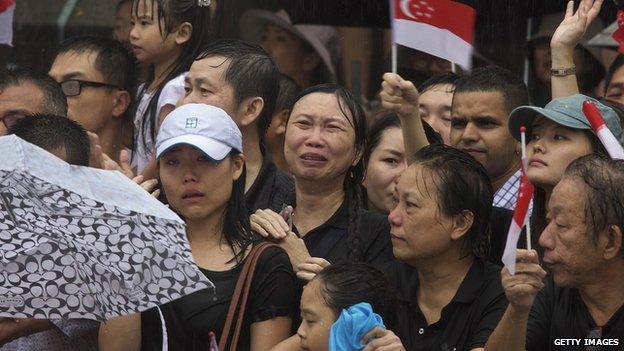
[(566, 111)]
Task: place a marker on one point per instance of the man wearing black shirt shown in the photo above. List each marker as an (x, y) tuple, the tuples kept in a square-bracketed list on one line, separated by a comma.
[(241, 79), (581, 305)]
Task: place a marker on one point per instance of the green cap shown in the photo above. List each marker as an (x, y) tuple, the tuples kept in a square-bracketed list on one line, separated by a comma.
[(567, 111)]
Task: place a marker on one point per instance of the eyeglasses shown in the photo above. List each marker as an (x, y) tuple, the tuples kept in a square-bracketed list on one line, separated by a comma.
[(73, 87)]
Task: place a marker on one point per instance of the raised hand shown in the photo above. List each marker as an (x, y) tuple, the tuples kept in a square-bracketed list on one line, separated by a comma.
[(311, 267), (398, 95), (522, 287), (269, 224), (574, 24)]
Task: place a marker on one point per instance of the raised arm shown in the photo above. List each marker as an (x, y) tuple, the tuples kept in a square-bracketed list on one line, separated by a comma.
[(401, 97), (520, 289), (564, 40)]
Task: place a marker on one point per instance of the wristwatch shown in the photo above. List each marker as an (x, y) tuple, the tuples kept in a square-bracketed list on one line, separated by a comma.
[(562, 72)]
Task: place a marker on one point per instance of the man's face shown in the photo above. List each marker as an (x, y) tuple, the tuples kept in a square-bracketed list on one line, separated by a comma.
[(18, 101), (479, 127), (568, 252), (93, 107), (205, 84), (615, 90)]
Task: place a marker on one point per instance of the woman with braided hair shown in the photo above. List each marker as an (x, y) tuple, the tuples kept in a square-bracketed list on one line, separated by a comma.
[(323, 144)]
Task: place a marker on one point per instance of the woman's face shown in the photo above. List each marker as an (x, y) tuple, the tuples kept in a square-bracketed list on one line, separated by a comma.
[(435, 108), (195, 186), (385, 165), (319, 139), (552, 147), (418, 228), (316, 318), (285, 48)]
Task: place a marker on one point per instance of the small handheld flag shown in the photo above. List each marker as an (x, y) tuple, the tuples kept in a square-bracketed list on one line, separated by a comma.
[(599, 127), (521, 214)]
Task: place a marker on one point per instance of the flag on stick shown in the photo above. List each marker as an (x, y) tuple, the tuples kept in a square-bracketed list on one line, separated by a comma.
[(442, 28), (599, 126), (521, 214)]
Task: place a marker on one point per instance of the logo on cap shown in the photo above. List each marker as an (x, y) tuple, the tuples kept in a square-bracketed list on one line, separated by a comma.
[(191, 122)]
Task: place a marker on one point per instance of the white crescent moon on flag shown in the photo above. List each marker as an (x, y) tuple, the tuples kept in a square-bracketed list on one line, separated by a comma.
[(406, 10)]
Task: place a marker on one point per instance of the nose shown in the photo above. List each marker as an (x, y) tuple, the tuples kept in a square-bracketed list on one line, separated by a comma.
[(394, 217), (191, 98), (470, 134), (546, 238), (538, 146), (301, 331), (134, 35), (189, 175), (315, 138)]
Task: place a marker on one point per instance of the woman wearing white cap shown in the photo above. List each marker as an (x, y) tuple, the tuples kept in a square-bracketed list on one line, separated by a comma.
[(306, 53), (201, 167)]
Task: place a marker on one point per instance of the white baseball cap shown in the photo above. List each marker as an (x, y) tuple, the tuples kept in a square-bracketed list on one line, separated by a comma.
[(205, 127)]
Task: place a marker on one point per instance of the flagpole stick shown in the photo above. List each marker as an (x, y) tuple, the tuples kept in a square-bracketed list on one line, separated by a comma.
[(394, 57), (524, 164)]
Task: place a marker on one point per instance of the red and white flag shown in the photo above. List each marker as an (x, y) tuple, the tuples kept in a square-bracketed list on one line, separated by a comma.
[(608, 140), (520, 219), (442, 28)]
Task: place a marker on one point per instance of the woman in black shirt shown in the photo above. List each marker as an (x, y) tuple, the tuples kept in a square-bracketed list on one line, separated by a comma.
[(323, 145), (202, 173)]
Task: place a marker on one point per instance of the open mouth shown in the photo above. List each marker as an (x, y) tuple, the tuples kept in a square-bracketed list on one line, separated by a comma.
[(313, 157)]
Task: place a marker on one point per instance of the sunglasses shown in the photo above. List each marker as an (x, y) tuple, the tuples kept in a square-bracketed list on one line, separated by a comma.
[(73, 87)]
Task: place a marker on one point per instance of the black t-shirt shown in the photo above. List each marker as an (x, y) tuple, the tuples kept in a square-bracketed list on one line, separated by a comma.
[(499, 228), (560, 313), (190, 319), (271, 189), (465, 323), (330, 239)]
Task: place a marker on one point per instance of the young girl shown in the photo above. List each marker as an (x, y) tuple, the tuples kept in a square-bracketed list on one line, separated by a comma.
[(166, 35), (340, 296), (202, 173)]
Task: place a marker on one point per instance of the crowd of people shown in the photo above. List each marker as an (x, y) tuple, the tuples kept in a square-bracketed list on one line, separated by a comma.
[(387, 226)]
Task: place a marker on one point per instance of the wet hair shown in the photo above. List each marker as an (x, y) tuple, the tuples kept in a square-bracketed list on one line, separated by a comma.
[(462, 184), (288, 91), (236, 226), (252, 73), (604, 192), (349, 106), (538, 216), (495, 79), (116, 64), (51, 132), (440, 79), (172, 13), (54, 101), (346, 284), (615, 65)]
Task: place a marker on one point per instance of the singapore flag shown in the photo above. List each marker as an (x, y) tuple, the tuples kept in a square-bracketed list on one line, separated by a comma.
[(442, 28)]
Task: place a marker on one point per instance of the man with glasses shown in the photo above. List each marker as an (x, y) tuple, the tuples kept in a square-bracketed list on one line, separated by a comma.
[(24, 92), (580, 305), (97, 77)]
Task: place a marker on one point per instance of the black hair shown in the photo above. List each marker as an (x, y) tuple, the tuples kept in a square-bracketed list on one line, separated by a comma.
[(495, 79), (51, 132), (54, 101), (116, 64), (121, 3), (462, 184), (604, 192), (172, 13), (252, 73), (350, 107), (615, 65), (440, 79), (346, 284), (288, 91)]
